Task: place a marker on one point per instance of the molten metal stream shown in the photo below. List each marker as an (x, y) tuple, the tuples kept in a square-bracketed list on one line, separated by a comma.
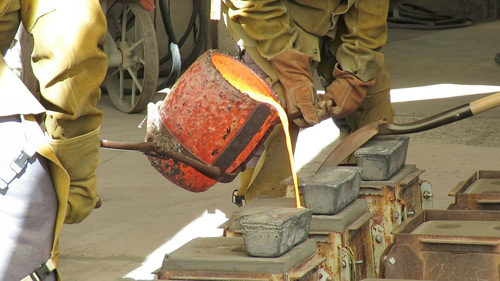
[(234, 74)]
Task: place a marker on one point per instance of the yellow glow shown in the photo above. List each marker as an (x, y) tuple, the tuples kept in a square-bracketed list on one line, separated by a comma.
[(247, 82)]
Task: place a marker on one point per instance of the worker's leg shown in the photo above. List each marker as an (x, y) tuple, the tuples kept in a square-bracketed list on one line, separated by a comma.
[(376, 105), (70, 68), (361, 34), (365, 33), (272, 167), (270, 164), (267, 22)]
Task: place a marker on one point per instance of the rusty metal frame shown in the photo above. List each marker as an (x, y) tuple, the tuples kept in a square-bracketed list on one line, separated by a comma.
[(348, 254), (475, 201), (392, 202)]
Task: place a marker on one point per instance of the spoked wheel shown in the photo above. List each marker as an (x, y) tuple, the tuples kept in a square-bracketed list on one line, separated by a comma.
[(132, 51)]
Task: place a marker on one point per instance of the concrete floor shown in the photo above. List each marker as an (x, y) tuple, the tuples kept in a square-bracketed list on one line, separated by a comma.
[(144, 216)]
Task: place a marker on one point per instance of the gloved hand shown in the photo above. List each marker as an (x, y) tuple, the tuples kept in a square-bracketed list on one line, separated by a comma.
[(152, 121), (347, 92), (155, 130), (294, 72)]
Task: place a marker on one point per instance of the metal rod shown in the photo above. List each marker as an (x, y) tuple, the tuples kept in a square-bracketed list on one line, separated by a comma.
[(428, 123), (149, 148)]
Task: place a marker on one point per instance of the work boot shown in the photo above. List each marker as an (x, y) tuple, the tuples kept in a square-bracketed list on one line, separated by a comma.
[(347, 92), (295, 75)]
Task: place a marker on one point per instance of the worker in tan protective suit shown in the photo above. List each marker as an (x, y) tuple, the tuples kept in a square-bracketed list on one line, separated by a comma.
[(285, 41), (48, 178)]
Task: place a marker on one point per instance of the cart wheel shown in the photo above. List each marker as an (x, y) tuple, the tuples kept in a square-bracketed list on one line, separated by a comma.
[(132, 51)]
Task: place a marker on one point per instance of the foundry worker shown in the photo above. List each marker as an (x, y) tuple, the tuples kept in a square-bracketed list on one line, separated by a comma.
[(286, 42), (47, 178)]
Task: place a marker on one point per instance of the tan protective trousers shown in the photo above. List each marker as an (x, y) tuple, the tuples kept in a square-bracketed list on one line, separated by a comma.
[(350, 32), (70, 67)]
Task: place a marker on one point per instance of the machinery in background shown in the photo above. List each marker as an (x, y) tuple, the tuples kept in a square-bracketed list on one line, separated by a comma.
[(144, 50)]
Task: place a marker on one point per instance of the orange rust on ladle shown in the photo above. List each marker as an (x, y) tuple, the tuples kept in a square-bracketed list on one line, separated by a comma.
[(234, 73), (211, 121)]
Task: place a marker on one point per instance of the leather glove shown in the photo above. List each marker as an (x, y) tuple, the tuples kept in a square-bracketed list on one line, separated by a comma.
[(294, 73), (79, 156), (154, 130), (347, 92), (152, 121)]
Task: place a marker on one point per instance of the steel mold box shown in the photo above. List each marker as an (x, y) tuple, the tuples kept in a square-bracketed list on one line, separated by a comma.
[(392, 202), (427, 255), (481, 191)]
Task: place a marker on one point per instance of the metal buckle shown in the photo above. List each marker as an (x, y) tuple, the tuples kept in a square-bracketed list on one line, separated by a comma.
[(237, 199), (16, 166), (20, 162), (41, 272), (3, 184)]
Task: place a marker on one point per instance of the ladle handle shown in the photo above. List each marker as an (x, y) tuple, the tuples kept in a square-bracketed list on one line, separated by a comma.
[(485, 103), (455, 114), (149, 148)]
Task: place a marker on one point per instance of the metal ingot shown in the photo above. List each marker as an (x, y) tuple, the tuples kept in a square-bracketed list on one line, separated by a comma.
[(271, 234), (329, 192), (382, 157), (319, 223)]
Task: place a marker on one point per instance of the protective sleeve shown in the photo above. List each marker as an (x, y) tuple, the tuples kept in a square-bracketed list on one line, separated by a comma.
[(70, 67), (266, 22)]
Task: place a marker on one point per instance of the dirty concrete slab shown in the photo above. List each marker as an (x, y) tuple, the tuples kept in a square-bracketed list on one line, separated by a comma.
[(319, 223)]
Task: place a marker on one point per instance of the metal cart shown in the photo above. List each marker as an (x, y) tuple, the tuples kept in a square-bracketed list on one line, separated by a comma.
[(143, 50)]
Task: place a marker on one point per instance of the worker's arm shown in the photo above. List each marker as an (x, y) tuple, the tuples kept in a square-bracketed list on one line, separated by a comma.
[(70, 68), (365, 33)]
